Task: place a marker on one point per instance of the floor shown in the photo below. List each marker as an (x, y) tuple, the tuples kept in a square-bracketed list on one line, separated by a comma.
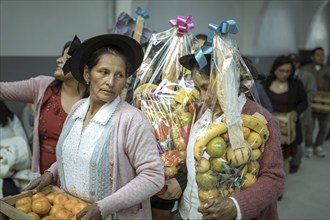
[(307, 192)]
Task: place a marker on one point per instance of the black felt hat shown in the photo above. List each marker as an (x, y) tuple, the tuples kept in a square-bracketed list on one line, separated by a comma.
[(189, 61), (129, 47)]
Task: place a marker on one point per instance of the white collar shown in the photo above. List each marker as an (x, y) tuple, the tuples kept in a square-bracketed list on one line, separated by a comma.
[(102, 116)]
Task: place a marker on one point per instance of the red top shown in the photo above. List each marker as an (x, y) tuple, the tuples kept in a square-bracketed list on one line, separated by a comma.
[(279, 101), (52, 117)]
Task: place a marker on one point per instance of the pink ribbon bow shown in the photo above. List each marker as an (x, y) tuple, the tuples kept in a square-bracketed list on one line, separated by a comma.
[(183, 23)]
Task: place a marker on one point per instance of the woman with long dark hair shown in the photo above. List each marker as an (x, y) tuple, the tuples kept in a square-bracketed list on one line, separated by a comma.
[(287, 94), (53, 98)]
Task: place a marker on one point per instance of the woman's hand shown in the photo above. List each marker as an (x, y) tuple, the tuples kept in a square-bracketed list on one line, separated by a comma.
[(219, 208), (42, 181), (91, 212), (173, 190), (294, 116)]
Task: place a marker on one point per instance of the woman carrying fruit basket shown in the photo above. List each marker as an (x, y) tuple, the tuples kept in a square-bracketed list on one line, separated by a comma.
[(106, 153), (226, 182)]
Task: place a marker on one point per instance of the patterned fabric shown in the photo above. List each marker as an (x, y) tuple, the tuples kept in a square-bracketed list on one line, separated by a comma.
[(86, 170), (51, 110)]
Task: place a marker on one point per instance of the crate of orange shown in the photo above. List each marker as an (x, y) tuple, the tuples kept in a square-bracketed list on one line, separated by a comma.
[(51, 203)]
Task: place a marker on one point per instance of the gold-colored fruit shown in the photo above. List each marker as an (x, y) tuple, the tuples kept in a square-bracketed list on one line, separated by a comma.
[(246, 132), (253, 167), (203, 165), (254, 140), (256, 153), (205, 195), (239, 156), (249, 180)]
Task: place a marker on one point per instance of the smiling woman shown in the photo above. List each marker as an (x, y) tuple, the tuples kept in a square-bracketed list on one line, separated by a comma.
[(113, 143)]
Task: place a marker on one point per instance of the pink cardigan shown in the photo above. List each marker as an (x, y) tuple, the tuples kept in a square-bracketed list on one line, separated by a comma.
[(29, 91), (135, 165)]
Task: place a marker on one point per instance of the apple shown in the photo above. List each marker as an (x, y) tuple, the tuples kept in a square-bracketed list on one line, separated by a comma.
[(203, 165), (206, 180), (205, 195), (216, 163), (216, 147)]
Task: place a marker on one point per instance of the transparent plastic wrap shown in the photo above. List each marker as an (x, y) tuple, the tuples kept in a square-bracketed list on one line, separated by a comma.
[(161, 92), (161, 58), (226, 143)]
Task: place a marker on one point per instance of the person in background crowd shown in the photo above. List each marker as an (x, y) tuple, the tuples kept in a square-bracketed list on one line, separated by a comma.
[(287, 94), (255, 202), (264, 99), (107, 152), (321, 72), (15, 154), (306, 120), (52, 98), (27, 121)]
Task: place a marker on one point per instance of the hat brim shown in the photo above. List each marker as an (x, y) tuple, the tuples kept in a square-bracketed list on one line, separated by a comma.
[(189, 61), (129, 47)]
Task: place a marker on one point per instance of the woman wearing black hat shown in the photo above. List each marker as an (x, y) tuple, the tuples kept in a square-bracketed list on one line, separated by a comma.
[(52, 98), (107, 152), (255, 202)]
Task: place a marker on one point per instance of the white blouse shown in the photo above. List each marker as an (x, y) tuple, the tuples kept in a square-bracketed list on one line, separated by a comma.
[(78, 148)]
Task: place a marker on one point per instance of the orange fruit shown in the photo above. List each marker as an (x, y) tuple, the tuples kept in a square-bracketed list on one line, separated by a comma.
[(55, 208), (60, 198), (41, 207), (51, 196), (38, 195), (78, 207), (48, 218), (70, 203), (63, 214), (26, 208), (34, 215), (23, 201), (246, 132), (44, 198)]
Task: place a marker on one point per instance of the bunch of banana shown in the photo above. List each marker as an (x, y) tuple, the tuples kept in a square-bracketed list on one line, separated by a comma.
[(183, 95), (144, 90)]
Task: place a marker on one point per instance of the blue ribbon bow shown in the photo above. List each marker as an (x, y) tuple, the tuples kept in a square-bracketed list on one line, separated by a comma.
[(142, 12), (224, 28)]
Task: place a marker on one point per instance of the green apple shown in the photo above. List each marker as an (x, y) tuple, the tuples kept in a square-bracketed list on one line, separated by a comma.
[(216, 163), (206, 180), (216, 147)]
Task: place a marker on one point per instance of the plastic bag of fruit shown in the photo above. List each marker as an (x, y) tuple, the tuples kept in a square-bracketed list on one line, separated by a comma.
[(226, 143), (164, 96)]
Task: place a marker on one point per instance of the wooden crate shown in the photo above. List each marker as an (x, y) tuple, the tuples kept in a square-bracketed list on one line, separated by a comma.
[(321, 102), (8, 211), (287, 127)]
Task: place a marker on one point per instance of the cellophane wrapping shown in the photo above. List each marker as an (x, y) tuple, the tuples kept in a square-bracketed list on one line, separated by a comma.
[(226, 143), (166, 98)]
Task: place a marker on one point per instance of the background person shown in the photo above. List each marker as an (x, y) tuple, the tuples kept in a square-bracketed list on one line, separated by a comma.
[(15, 154), (107, 152), (52, 98), (306, 118), (321, 72), (287, 94)]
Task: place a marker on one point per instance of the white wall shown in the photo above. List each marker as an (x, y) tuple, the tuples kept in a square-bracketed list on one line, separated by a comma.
[(267, 27)]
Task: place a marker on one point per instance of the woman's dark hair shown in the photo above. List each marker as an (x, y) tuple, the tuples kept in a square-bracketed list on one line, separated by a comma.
[(56, 84), (279, 61), (5, 114), (95, 57)]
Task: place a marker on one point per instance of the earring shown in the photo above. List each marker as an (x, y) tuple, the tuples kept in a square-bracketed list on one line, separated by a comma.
[(87, 82)]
